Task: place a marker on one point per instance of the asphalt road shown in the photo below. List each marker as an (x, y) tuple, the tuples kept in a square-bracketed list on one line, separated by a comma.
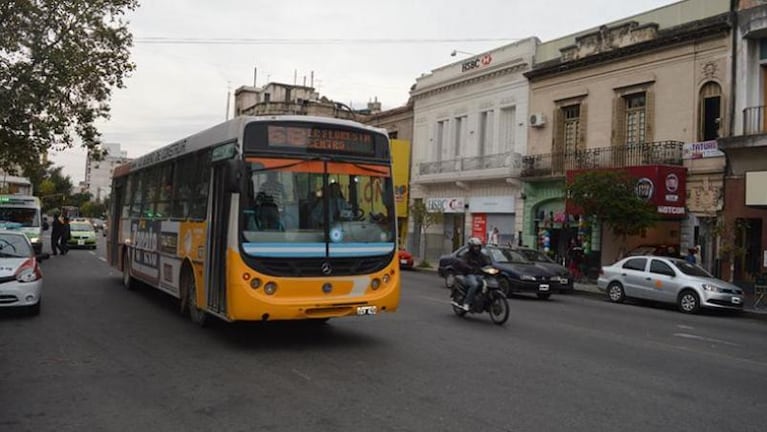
[(101, 358)]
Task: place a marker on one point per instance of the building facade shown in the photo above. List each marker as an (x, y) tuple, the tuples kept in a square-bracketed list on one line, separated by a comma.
[(744, 225), (469, 135), (278, 98), (398, 122), (98, 173), (643, 95)]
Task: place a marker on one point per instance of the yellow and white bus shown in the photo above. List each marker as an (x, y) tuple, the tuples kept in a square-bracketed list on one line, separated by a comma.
[(262, 218)]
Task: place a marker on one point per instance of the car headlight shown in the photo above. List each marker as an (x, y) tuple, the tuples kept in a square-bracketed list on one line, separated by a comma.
[(711, 288), (34, 239), (527, 278)]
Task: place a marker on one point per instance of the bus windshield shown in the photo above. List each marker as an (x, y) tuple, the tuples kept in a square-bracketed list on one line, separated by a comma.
[(27, 217), (303, 209)]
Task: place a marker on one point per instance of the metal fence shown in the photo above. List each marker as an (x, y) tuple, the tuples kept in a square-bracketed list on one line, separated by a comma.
[(474, 163), (556, 164)]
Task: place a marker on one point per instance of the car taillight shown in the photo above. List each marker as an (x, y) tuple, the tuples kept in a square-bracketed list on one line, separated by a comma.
[(29, 271)]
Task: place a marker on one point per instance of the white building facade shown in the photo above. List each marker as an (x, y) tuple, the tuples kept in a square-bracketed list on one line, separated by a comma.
[(470, 133), (98, 174)]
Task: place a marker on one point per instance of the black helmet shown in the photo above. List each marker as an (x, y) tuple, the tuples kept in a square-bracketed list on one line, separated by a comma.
[(475, 244)]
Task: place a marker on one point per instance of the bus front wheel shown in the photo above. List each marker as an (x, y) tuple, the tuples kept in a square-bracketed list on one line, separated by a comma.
[(189, 298)]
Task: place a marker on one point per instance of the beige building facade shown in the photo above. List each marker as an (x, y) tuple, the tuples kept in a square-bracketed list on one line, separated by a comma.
[(647, 94)]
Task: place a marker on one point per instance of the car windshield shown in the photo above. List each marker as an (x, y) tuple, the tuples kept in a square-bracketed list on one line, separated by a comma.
[(534, 255), (313, 203), (500, 255), (14, 246), (80, 227), (691, 269), (27, 217)]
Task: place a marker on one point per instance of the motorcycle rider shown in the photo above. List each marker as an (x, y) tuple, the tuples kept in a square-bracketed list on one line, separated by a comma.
[(473, 261)]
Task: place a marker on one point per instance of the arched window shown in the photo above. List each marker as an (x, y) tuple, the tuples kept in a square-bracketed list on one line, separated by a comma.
[(710, 118)]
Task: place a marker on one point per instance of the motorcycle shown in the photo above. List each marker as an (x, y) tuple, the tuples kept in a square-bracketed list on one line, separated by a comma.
[(489, 297)]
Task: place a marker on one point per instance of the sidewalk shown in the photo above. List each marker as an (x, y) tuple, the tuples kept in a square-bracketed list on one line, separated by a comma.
[(748, 307)]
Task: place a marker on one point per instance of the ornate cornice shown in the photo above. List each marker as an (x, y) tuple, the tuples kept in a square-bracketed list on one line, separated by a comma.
[(442, 88)]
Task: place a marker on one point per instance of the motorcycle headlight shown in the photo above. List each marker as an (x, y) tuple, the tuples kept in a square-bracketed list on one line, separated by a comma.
[(711, 288), (527, 278), (492, 271)]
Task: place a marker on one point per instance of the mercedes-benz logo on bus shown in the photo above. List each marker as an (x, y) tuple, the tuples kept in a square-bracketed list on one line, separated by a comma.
[(326, 269)]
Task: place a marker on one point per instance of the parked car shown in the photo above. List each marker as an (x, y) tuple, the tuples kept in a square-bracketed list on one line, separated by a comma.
[(517, 274), (668, 280), (542, 260), (21, 281), (82, 235), (405, 260)]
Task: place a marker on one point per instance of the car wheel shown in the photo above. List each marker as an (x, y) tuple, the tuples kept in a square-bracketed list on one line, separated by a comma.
[(688, 302), (615, 292), (449, 279)]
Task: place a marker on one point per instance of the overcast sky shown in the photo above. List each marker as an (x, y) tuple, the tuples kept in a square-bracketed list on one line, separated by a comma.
[(179, 89)]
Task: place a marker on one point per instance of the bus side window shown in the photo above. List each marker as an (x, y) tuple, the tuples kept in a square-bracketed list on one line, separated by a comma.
[(199, 203), (183, 183)]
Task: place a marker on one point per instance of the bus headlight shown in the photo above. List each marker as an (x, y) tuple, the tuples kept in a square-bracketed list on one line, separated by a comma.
[(386, 278), (375, 284), (255, 283), (270, 288)]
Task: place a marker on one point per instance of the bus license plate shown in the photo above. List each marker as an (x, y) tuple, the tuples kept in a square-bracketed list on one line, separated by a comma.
[(366, 310), (543, 287)]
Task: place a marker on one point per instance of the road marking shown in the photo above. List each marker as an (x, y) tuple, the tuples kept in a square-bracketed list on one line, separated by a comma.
[(92, 253), (302, 375), (685, 327), (704, 339), (103, 259)]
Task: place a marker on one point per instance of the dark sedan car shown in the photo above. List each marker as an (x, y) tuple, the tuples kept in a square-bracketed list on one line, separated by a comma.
[(517, 273), (542, 260)]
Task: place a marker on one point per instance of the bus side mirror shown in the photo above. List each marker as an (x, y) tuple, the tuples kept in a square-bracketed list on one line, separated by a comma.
[(234, 173)]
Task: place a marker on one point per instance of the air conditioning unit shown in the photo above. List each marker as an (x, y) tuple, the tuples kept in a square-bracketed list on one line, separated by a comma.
[(537, 120)]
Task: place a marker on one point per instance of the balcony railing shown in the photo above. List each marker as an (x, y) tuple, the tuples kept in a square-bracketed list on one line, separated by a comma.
[(754, 121), (557, 164), (473, 163)]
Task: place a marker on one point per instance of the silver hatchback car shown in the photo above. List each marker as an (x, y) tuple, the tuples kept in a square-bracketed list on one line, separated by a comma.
[(668, 280)]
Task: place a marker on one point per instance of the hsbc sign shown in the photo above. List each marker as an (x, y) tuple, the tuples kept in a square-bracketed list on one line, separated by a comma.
[(444, 205), (476, 63)]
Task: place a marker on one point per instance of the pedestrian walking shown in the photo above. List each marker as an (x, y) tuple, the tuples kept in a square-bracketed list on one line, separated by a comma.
[(56, 227), (66, 234), (690, 258)]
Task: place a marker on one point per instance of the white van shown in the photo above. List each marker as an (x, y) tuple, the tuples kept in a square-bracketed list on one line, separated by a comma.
[(22, 213)]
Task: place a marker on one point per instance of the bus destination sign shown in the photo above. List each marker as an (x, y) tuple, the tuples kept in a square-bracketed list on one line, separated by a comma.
[(322, 139)]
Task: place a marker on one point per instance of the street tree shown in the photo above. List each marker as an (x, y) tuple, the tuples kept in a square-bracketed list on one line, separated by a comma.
[(610, 196), (55, 189), (59, 62), (423, 219)]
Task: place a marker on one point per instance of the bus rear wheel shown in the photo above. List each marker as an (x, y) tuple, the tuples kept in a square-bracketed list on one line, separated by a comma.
[(128, 281), (189, 298)]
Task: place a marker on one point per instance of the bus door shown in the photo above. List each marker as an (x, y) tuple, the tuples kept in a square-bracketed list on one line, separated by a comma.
[(218, 226), (113, 222)]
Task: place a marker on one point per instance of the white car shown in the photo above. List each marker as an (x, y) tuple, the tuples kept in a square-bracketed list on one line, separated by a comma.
[(21, 281), (668, 280)]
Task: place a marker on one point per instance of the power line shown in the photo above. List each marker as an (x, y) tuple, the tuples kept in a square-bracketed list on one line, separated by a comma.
[(168, 40)]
